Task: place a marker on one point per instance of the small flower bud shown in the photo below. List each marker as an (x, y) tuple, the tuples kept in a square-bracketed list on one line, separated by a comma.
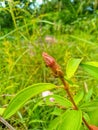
[(48, 59), (50, 62)]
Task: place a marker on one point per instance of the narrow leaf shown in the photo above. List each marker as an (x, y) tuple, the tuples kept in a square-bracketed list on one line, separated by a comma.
[(78, 97), (72, 67), (92, 63), (89, 106), (20, 99), (88, 95), (36, 121), (91, 69)]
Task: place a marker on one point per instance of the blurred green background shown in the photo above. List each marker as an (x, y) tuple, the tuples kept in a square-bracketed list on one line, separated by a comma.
[(63, 28)]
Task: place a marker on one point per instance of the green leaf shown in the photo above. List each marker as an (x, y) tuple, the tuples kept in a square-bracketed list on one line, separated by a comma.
[(89, 106), (88, 95), (58, 100), (91, 69), (92, 63), (57, 111), (78, 97), (20, 99), (72, 66), (2, 110), (70, 120), (36, 121), (54, 123), (93, 117)]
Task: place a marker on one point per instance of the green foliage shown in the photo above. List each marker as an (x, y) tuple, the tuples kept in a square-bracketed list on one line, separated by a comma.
[(2, 111), (58, 100), (78, 97), (94, 117), (65, 121), (5, 19), (90, 106), (24, 95), (23, 33), (91, 69), (72, 66), (88, 95)]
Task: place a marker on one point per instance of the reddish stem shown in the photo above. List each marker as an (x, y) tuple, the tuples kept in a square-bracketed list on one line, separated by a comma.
[(66, 87), (86, 124), (50, 62)]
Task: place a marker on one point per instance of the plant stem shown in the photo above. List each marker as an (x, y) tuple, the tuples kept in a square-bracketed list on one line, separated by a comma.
[(86, 123), (66, 87), (6, 123), (50, 62), (12, 13)]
